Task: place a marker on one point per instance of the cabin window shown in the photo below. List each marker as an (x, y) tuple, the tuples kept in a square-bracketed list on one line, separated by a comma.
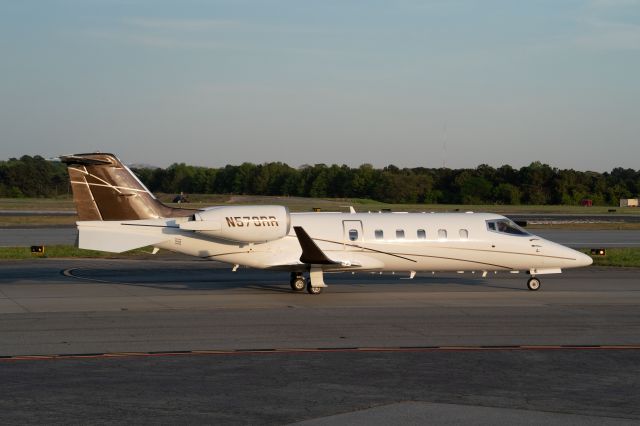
[(399, 234), (422, 234), (353, 234), (464, 234), (379, 234), (442, 234)]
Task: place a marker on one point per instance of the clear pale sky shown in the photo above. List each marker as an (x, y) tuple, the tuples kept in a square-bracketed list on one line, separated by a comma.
[(410, 83)]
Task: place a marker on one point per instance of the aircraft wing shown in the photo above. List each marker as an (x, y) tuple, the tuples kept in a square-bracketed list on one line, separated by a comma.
[(313, 255)]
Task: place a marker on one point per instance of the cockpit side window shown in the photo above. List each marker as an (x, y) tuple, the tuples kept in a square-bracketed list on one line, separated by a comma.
[(505, 226)]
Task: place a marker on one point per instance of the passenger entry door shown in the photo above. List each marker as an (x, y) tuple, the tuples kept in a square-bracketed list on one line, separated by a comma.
[(353, 235)]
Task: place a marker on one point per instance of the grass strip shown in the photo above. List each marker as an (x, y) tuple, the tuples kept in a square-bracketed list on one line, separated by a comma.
[(625, 257), (52, 221), (65, 251), (329, 204)]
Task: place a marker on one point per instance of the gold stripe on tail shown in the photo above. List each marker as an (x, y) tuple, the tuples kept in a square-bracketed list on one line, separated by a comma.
[(105, 189)]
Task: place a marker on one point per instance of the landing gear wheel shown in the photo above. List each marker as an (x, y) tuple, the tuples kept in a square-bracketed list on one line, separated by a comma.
[(298, 283), (313, 290), (533, 284)]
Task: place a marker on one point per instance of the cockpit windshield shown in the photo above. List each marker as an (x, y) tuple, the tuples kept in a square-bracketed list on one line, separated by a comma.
[(505, 226)]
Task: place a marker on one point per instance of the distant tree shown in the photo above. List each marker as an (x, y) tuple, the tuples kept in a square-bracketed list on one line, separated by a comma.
[(534, 184), (506, 193), (33, 177), (537, 179), (473, 189)]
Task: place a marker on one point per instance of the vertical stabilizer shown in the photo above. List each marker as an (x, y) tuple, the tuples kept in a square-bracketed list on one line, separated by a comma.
[(105, 189)]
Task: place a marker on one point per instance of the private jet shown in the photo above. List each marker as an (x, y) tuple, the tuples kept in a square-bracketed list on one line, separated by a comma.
[(118, 213)]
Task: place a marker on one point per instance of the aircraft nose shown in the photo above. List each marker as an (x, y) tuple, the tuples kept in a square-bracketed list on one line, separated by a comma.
[(573, 258), (583, 259)]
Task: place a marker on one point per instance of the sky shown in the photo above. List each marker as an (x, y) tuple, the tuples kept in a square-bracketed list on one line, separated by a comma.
[(412, 83)]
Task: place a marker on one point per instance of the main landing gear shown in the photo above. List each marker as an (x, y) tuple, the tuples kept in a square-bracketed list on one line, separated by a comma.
[(533, 284), (313, 290), (314, 285), (297, 281)]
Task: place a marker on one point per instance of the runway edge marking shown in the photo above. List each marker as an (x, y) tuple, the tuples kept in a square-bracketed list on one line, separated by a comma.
[(266, 351)]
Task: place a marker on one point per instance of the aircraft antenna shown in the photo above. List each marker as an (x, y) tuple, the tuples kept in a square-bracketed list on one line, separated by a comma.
[(444, 146)]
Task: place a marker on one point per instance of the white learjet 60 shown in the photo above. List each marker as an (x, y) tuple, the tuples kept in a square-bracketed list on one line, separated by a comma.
[(118, 213)]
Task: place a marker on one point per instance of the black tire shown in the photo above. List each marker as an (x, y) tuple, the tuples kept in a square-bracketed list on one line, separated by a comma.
[(298, 284), (533, 284), (313, 290)]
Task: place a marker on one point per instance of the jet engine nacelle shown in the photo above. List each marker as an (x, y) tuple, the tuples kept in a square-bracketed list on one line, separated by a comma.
[(243, 224)]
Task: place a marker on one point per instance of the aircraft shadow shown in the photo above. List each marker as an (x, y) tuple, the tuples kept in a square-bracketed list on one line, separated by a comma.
[(207, 279)]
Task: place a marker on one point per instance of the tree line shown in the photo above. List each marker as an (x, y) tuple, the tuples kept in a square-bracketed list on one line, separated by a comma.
[(33, 177), (534, 184)]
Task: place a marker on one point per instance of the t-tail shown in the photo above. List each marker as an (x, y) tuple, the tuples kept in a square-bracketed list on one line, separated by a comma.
[(105, 189)]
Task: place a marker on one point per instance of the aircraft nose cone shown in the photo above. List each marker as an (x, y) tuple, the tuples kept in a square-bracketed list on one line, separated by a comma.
[(583, 259)]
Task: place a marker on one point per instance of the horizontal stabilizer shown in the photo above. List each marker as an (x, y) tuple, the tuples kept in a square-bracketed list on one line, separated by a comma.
[(114, 239)]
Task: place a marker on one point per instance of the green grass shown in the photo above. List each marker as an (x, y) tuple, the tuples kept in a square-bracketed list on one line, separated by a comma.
[(628, 226), (302, 204), (496, 208), (64, 251), (63, 203), (17, 221), (306, 204), (626, 257)]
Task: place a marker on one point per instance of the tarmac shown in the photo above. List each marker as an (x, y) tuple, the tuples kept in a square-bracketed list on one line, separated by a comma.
[(189, 341)]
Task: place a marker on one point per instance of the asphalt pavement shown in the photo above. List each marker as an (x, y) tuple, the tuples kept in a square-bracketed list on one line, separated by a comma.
[(148, 342)]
